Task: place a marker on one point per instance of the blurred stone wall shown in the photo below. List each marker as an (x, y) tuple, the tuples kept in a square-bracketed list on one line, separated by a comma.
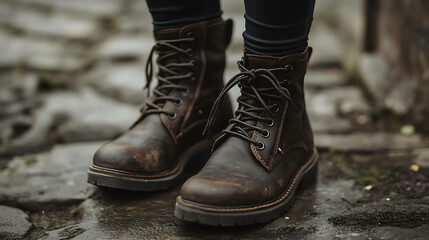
[(403, 39)]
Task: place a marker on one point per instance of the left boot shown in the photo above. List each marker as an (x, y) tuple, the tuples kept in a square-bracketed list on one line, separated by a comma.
[(264, 155), (165, 143)]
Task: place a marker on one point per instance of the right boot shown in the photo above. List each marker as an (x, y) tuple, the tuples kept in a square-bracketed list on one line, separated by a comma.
[(265, 154), (167, 138)]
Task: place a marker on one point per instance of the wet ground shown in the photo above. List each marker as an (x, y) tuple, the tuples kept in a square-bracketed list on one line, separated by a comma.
[(71, 74), (357, 196)]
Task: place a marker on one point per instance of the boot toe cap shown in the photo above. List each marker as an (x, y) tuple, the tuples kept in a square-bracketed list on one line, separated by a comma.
[(115, 157), (225, 192), (125, 158), (208, 191)]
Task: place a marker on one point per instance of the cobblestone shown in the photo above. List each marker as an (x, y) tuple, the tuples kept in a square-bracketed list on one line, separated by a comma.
[(374, 72), (83, 112), (329, 49), (40, 54), (125, 47), (122, 82), (422, 158), (48, 180), (337, 100), (58, 24), (18, 92), (330, 124), (368, 142), (13, 223), (324, 78)]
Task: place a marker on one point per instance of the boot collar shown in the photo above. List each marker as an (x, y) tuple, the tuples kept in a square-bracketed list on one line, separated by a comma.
[(254, 61)]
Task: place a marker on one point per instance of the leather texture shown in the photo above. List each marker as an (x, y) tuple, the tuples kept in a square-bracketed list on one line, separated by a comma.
[(152, 146), (241, 175)]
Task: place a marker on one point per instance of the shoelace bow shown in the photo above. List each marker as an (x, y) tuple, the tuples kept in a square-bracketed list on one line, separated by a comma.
[(251, 112), (169, 73)]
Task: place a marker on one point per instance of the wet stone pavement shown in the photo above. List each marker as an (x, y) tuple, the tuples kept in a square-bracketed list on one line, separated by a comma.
[(71, 74)]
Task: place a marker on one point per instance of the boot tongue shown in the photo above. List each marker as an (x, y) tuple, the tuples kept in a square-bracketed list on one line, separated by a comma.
[(252, 61)]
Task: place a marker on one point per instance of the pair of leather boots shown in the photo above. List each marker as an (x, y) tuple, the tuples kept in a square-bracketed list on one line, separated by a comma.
[(262, 153)]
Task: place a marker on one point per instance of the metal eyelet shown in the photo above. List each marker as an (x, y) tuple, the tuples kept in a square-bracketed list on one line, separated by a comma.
[(285, 82), (190, 52), (270, 123), (289, 68), (276, 108), (178, 102), (185, 91), (265, 133), (260, 145), (173, 116)]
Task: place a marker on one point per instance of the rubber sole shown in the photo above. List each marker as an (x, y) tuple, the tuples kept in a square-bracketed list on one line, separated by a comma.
[(191, 161), (203, 215)]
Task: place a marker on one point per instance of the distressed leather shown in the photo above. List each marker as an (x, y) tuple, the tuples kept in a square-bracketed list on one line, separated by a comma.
[(238, 174), (153, 145)]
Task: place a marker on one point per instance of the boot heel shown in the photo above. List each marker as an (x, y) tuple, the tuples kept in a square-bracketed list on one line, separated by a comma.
[(309, 178)]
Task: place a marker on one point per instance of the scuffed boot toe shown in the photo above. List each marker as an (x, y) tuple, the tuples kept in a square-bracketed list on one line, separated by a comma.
[(117, 157)]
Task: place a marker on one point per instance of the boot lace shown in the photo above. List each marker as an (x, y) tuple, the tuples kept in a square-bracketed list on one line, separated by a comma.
[(252, 102), (169, 74)]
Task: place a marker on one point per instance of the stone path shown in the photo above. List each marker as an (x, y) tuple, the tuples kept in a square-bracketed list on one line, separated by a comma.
[(71, 74)]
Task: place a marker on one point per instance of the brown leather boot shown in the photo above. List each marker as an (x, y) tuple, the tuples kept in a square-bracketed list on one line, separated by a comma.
[(263, 156), (167, 137)]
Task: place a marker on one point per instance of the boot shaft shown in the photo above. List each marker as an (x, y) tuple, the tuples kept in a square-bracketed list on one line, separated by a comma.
[(206, 51), (291, 130)]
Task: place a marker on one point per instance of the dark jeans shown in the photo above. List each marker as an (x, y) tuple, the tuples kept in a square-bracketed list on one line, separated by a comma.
[(273, 27)]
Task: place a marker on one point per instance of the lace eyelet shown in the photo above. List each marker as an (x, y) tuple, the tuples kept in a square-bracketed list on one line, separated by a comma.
[(260, 145), (270, 123), (285, 82), (190, 34), (289, 68), (173, 116), (265, 133), (185, 91), (178, 102), (193, 63), (192, 77), (190, 52), (276, 108)]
